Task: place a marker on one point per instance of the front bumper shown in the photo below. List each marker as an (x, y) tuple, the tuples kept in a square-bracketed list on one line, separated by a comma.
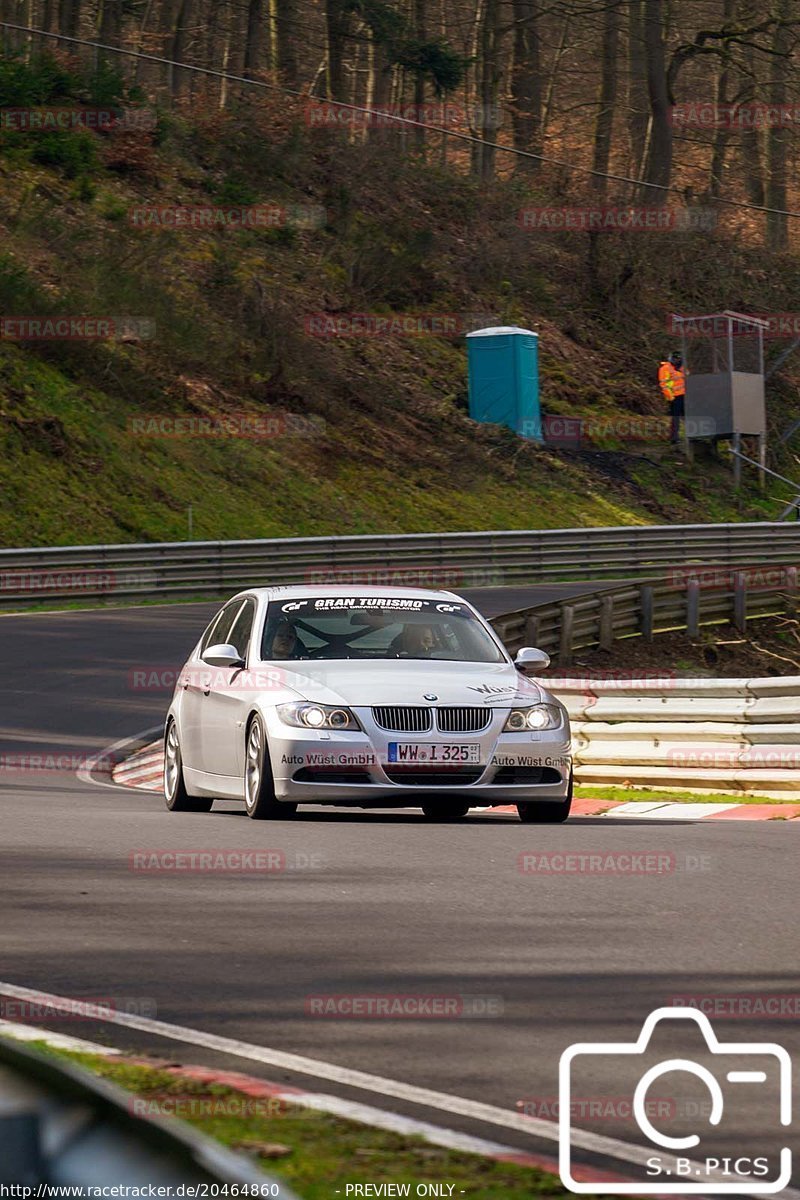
[(329, 766)]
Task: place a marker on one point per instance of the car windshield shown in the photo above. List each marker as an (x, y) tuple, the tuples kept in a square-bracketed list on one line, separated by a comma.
[(380, 627)]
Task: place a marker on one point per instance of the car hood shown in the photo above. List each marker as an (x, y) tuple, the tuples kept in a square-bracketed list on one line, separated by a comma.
[(365, 683)]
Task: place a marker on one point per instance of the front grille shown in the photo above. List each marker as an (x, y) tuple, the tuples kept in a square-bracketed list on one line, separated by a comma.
[(463, 720), (402, 718), (432, 777), (527, 775)]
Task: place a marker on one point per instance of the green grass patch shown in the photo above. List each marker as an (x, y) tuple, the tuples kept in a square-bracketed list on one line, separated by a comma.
[(323, 1153), (622, 794)]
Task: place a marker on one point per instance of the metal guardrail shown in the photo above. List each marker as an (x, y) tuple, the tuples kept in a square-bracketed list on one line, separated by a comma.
[(119, 573), (703, 735), (650, 607), (61, 1125)]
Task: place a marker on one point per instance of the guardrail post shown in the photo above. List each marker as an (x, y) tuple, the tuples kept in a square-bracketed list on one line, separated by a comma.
[(693, 608), (605, 634), (531, 636), (646, 606), (567, 625), (740, 601), (790, 594)]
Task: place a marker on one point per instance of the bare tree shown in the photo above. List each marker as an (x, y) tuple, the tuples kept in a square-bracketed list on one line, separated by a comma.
[(337, 20), (608, 94), (526, 94), (638, 100), (777, 132), (659, 155), (286, 37), (253, 38)]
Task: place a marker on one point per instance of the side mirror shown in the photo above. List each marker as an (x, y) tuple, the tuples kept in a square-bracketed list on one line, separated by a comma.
[(529, 660), (223, 655)]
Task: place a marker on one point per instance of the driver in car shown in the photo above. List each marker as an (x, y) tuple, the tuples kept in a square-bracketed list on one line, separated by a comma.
[(416, 641), (285, 643)]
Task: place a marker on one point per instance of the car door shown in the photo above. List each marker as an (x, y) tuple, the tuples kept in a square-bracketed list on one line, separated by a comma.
[(195, 680), (226, 706)]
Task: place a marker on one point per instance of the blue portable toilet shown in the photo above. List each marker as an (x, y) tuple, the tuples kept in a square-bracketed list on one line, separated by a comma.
[(504, 378)]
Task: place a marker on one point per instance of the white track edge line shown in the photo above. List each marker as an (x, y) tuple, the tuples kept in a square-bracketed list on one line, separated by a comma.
[(60, 1041), (377, 1084), (351, 1110)]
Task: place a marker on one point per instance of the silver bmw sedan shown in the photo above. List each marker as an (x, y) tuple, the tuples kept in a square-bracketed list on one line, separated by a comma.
[(363, 698)]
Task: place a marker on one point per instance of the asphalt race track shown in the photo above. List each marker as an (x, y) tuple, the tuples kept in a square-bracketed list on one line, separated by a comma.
[(389, 904)]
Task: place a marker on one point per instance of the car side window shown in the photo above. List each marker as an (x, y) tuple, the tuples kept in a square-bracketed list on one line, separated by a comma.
[(206, 638), (242, 627), (217, 633)]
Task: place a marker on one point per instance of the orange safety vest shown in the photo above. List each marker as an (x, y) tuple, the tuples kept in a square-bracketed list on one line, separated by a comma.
[(671, 380)]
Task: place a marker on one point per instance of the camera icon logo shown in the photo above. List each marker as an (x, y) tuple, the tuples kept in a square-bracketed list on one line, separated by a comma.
[(663, 1162)]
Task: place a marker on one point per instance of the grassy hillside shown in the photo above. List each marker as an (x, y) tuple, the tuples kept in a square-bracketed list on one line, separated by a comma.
[(386, 444)]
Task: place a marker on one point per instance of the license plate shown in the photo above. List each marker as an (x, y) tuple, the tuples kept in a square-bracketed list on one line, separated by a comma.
[(434, 753)]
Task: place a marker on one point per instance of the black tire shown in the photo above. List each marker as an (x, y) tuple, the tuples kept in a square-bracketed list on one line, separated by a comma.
[(544, 812), (259, 787), (444, 810), (175, 795)]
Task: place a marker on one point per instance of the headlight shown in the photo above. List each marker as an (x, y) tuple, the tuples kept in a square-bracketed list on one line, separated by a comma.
[(540, 716), (316, 716)]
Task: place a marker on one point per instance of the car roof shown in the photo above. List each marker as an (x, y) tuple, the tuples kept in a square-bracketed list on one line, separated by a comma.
[(314, 591)]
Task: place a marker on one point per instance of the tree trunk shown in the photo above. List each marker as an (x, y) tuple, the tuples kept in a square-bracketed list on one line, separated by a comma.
[(526, 83), (490, 73), (110, 30), (181, 79), (336, 18), (608, 96), (752, 153), (778, 134), (553, 74), (286, 41), (722, 133), (420, 32), (659, 155), (253, 38), (47, 16), (638, 104), (69, 17)]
